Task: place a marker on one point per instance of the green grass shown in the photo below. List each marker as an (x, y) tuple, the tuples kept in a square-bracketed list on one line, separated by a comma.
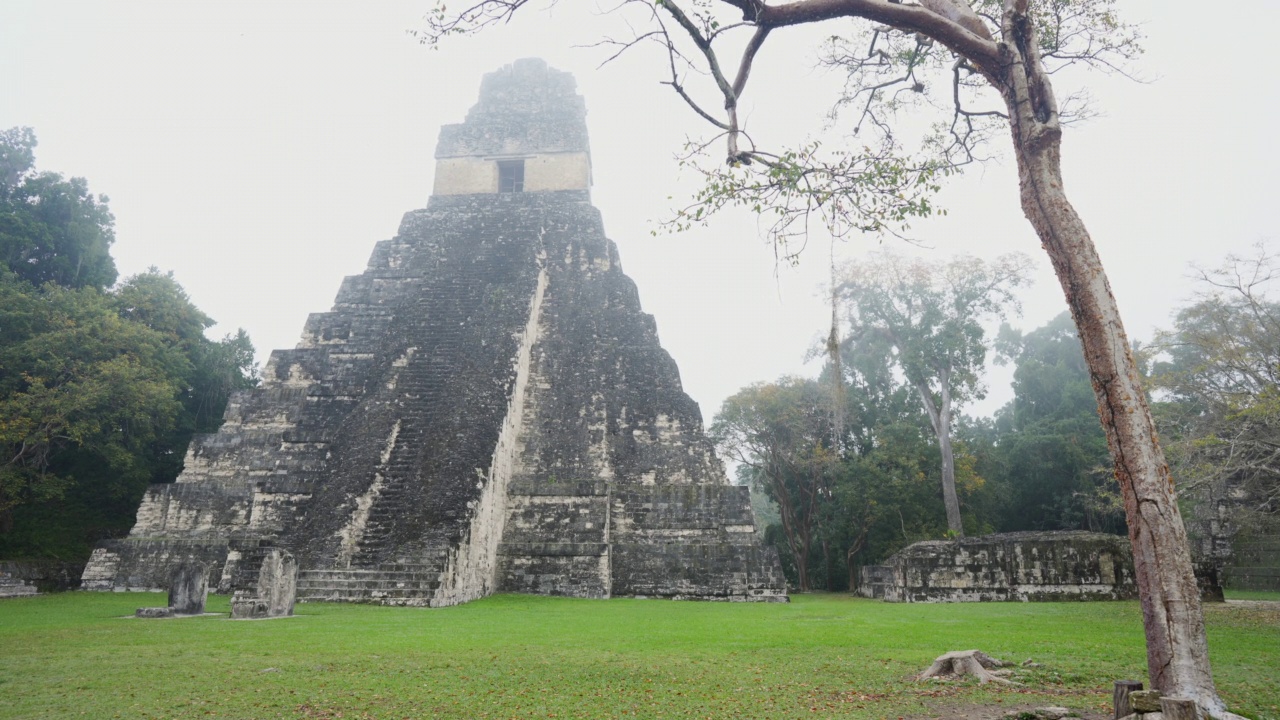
[(1270, 595), (73, 655)]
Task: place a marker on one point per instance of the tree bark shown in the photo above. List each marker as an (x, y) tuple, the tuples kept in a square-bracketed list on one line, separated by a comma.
[(1177, 650)]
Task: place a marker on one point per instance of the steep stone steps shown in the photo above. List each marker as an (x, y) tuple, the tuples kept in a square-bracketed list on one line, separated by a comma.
[(426, 409), (389, 584)]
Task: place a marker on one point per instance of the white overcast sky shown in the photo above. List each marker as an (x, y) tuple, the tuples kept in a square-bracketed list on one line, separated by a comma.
[(258, 149)]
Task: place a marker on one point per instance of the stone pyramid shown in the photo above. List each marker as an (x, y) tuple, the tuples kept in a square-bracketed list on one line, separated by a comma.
[(485, 409)]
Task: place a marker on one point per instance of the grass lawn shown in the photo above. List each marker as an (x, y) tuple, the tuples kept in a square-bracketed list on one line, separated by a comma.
[(73, 655), (1270, 595)]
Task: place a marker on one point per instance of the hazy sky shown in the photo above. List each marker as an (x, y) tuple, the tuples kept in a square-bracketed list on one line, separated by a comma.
[(258, 150)]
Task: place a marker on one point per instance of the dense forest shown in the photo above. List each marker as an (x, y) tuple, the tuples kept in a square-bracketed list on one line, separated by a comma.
[(102, 381), (850, 466)]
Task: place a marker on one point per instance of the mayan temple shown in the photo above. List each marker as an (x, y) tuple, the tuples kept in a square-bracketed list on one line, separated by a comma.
[(485, 409)]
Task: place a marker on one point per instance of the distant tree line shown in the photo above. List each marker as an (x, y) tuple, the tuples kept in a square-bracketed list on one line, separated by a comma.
[(102, 383), (850, 466)]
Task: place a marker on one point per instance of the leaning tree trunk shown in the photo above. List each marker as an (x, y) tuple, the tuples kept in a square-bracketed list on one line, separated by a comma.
[(1177, 651)]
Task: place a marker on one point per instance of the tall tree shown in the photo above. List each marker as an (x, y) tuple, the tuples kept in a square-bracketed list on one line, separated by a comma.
[(101, 388), (51, 229), (946, 53), (82, 392), (97, 402), (835, 508), (928, 317), (781, 432)]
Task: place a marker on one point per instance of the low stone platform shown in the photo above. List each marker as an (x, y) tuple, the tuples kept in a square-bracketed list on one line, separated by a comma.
[(14, 587), (1021, 566)]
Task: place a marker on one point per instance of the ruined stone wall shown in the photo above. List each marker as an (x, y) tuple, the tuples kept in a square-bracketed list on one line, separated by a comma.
[(1233, 538), (1023, 566), (1254, 563), (47, 575)]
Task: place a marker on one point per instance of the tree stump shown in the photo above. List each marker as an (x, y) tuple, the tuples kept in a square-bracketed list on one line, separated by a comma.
[(1120, 698), (966, 662)]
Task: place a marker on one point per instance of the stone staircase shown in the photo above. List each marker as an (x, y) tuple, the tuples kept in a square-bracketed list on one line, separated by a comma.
[(421, 387), (429, 474), (436, 392), (392, 584)]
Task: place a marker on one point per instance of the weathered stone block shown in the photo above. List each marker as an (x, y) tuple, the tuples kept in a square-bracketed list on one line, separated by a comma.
[(14, 587), (1145, 701), (249, 608), (154, 612), (275, 592), (278, 582)]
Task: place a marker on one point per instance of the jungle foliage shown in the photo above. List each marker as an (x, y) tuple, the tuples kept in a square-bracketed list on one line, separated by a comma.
[(102, 384), (1216, 375), (853, 490)]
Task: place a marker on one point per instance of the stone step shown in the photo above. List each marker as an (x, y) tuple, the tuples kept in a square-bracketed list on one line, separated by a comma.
[(366, 587), (403, 576), (325, 580), (371, 596)]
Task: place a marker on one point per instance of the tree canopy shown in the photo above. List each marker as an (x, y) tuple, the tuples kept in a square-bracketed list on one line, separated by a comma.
[(1047, 448), (927, 317), (1217, 371), (101, 386), (51, 229)]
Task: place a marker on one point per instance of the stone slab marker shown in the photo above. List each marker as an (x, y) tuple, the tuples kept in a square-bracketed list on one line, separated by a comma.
[(278, 583), (189, 589), (276, 591)]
